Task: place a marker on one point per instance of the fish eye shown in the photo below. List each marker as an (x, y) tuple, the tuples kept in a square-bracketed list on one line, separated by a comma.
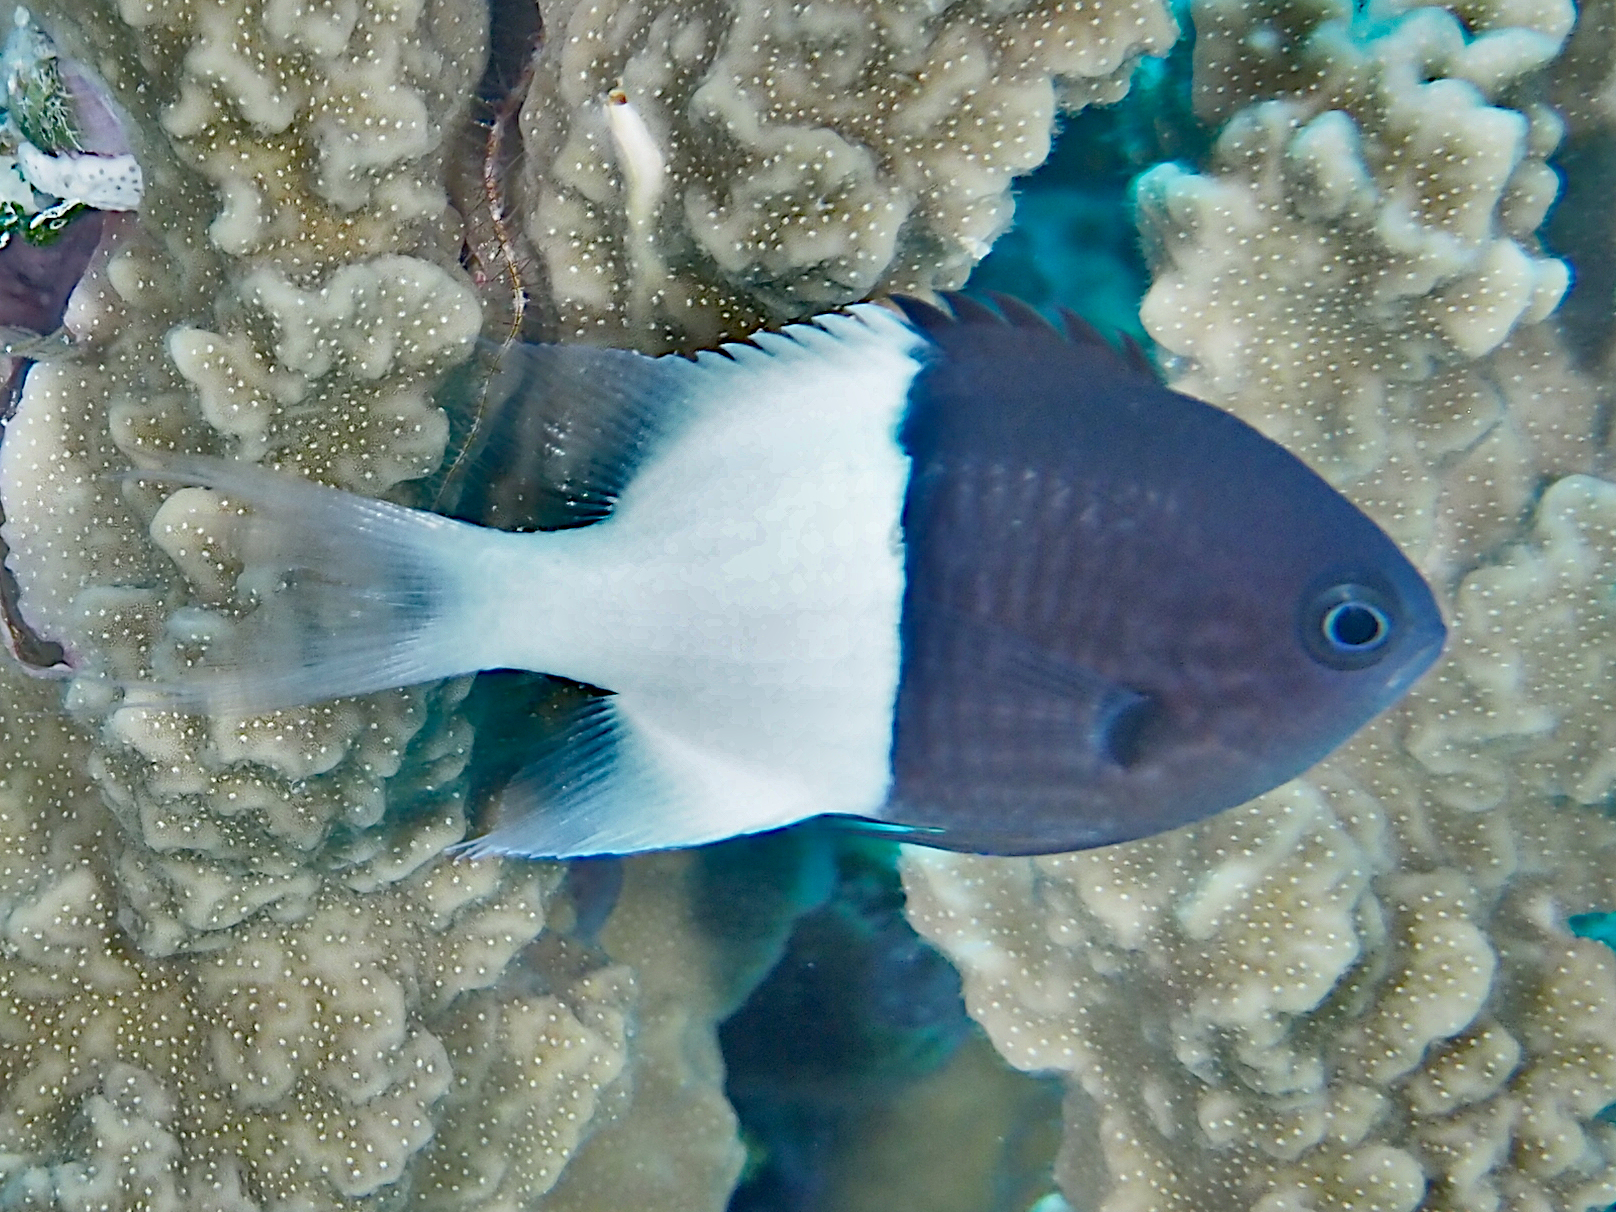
[(1356, 626), (1347, 625)]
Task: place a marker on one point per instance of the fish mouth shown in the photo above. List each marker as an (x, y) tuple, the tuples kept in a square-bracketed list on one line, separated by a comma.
[(1430, 647), (1425, 649)]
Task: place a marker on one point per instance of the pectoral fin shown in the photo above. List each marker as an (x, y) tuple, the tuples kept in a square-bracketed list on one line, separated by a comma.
[(991, 729)]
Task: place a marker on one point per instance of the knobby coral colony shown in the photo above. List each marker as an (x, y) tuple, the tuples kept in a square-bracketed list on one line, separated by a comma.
[(237, 967)]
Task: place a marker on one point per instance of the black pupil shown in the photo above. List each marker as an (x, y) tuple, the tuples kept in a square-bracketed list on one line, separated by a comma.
[(1354, 625)]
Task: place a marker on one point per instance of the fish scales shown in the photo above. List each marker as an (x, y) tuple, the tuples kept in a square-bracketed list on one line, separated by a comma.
[(952, 575)]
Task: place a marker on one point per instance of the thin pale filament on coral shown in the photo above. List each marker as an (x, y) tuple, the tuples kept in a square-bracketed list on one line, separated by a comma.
[(645, 173)]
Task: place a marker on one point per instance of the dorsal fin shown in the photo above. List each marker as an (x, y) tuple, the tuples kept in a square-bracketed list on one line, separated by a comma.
[(928, 318), (1006, 311), (563, 428), (1020, 314), (970, 311), (1078, 330), (1134, 354), (557, 431), (1081, 332)]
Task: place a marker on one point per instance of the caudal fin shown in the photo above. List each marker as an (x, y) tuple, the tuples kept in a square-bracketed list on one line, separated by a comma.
[(355, 595)]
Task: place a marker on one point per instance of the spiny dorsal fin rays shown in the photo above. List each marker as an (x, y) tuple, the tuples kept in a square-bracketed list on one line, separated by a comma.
[(965, 312), (1019, 314), (1079, 331), (926, 318), (1135, 355), (971, 311)]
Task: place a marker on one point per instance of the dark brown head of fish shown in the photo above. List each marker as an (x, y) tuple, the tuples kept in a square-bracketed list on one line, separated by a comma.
[(1125, 609)]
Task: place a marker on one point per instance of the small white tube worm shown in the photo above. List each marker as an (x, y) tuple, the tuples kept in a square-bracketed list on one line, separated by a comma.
[(645, 173), (644, 170)]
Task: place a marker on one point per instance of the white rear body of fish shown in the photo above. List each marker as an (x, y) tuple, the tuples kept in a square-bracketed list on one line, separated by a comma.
[(741, 602)]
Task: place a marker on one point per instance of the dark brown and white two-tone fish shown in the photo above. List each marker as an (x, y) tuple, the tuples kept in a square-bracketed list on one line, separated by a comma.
[(981, 583)]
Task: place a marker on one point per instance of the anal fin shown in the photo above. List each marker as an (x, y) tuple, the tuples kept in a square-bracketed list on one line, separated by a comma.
[(608, 784)]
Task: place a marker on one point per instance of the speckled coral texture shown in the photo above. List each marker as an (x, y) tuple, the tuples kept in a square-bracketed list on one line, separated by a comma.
[(238, 969), (1358, 272), (811, 155), (1360, 992)]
